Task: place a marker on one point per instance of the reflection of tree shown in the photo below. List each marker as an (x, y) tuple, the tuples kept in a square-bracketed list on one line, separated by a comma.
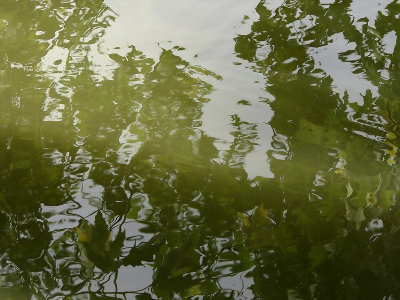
[(84, 157), (32, 153), (135, 138), (335, 161)]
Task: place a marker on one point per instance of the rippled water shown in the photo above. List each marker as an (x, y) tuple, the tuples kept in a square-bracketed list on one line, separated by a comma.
[(199, 149)]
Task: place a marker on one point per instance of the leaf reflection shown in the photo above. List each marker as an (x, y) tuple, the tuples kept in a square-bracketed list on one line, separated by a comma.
[(106, 173)]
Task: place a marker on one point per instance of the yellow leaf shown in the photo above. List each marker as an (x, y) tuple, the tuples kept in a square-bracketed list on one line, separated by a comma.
[(391, 136), (82, 236), (195, 290)]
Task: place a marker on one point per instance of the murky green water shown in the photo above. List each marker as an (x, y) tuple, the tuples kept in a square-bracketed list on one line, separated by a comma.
[(199, 149)]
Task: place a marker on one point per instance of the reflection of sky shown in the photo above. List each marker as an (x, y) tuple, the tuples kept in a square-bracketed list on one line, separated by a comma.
[(274, 4), (361, 9), (206, 30), (342, 72)]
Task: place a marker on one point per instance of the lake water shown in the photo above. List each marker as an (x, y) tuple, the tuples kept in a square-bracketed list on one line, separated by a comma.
[(165, 149)]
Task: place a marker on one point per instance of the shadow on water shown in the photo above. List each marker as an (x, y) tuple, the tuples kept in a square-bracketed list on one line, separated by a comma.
[(111, 190)]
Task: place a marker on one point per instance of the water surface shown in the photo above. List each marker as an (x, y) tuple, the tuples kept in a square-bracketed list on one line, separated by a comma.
[(199, 149)]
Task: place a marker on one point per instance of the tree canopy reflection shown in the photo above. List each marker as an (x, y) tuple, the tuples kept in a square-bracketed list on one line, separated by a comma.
[(103, 173), (336, 159)]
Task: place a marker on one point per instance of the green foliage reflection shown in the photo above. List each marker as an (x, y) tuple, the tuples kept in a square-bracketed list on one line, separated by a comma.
[(105, 173)]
